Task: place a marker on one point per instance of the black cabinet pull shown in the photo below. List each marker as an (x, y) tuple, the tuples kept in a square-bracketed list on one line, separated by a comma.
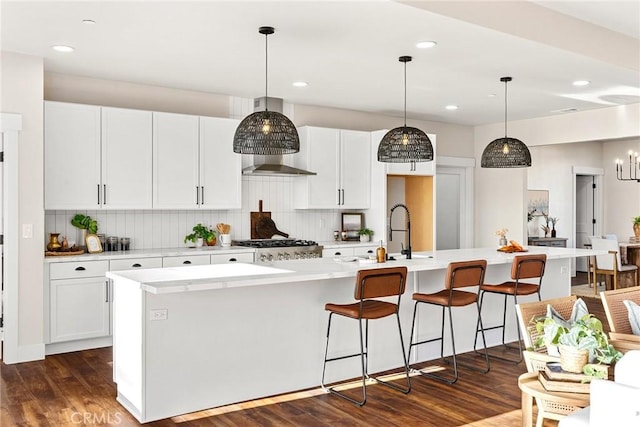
[(187, 262), (106, 289), (370, 251), (80, 269), (338, 253), (232, 259), (136, 265), (98, 193), (202, 195), (104, 194), (197, 196)]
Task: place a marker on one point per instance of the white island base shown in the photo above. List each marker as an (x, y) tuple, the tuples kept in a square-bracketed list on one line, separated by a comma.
[(193, 338)]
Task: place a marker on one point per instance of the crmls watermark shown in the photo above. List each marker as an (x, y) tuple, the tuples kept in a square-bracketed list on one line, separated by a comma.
[(93, 418)]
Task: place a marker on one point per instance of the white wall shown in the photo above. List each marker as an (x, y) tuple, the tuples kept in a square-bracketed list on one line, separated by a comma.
[(501, 193), (22, 89)]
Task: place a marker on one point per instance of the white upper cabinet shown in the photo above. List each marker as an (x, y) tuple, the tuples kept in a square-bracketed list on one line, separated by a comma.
[(126, 159), (418, 168), (97, 157), (71, 156), (340, 158), (175, 161), (220, 167)]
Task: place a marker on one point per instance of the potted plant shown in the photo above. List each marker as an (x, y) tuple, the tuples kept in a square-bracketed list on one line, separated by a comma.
[(579, 343), (86, 225), (201, 234), (636, 227), (365, 234)]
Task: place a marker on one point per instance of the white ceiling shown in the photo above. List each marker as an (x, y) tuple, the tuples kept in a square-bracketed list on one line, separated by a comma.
[(348, 51)]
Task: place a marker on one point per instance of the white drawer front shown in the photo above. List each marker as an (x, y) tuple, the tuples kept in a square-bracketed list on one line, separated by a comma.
[(78, 269), (365, 251), (181, 261), (134, 263), (239, 257), (330, 253)]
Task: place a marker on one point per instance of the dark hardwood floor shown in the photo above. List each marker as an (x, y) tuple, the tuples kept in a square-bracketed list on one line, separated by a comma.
[(77, 389)]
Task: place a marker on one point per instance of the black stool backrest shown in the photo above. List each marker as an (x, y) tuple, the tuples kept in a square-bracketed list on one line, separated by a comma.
[(528, 266), (465, 273), (380, 282)]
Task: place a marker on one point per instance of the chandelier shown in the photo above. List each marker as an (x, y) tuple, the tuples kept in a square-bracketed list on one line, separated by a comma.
[(633, 169)]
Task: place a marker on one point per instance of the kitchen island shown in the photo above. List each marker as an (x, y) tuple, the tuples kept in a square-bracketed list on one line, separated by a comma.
[(191, 338)]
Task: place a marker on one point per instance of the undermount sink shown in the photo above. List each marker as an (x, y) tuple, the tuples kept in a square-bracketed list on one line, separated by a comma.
[(413, 256)]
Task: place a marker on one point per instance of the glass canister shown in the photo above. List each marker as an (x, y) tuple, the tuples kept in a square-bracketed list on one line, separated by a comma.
[(112, 244), (125, 243)]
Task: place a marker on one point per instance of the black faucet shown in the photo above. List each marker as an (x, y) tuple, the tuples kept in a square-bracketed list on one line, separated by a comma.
[(404, 251)]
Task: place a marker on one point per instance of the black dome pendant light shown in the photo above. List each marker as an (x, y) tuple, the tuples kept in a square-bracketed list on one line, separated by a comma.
[(266, 132), (405, 144), (506, 152)]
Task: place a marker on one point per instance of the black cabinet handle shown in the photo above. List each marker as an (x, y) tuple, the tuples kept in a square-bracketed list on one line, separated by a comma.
[(136, 265), (187, 262), (98, 193), (197, 196), (232, 260), (202, 195), (104, 194), (80, 269), (106, 289), (370, 251), (338, 253)]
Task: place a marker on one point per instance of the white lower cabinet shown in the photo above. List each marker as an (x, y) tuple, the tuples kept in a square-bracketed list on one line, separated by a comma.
[(183, 261), (134, 263), (79, 306), (235, 257), (359, 251)]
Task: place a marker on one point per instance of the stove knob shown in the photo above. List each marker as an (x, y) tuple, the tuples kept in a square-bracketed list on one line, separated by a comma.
[(263, 258), (270, 257), (296, 255), (280, 256), (287, 255)]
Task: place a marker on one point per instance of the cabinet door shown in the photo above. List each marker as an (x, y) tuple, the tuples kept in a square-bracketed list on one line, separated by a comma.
[(220, 167), (355, 169), (79, 309), (71, 156), (175, 161), (234, 257), (126, 159), (319, 153)]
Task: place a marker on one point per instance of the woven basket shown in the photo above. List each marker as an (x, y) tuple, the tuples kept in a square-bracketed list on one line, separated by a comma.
[(572, 359)]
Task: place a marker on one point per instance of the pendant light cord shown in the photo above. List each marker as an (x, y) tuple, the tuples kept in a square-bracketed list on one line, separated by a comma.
[(405, 94), (266, 72), (505, 109)]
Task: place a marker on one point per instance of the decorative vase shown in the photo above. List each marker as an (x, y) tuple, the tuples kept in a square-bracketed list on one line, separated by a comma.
[(54, 243), (503, 241), (199, 242), (636, 230), (572, 359), (365, 238), (553, 232), (211, 241)]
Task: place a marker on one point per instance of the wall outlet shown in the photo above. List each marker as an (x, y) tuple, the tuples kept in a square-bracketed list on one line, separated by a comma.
[(158, 314)]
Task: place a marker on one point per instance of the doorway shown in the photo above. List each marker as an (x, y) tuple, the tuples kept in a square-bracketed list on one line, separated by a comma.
[(587, 209)]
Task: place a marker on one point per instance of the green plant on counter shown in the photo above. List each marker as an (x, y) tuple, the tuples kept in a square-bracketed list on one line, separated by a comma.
[(200, 231), (636, 220), (365, 232), (85, 222)]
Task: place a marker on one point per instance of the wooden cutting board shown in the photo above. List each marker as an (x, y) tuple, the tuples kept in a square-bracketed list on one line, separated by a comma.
[(255, 219)]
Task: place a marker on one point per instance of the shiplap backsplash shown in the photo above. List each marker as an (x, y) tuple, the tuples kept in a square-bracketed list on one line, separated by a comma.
[(150, 229)]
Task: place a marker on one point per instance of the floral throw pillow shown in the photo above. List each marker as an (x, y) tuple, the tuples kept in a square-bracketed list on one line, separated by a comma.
[(634, 315)]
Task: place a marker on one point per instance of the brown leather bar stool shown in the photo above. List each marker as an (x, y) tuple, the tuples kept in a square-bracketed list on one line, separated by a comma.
[(526, 267), (459, 275), (370, 284)]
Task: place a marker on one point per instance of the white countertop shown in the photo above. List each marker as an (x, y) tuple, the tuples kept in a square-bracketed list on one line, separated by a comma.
[(150, 253), (207, 277)]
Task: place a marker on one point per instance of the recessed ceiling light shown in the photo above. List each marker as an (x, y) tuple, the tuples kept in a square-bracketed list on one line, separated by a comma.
[(300, 84), (62, 48), (581, 82), (426, 44), (451, 107), (88, 21)]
